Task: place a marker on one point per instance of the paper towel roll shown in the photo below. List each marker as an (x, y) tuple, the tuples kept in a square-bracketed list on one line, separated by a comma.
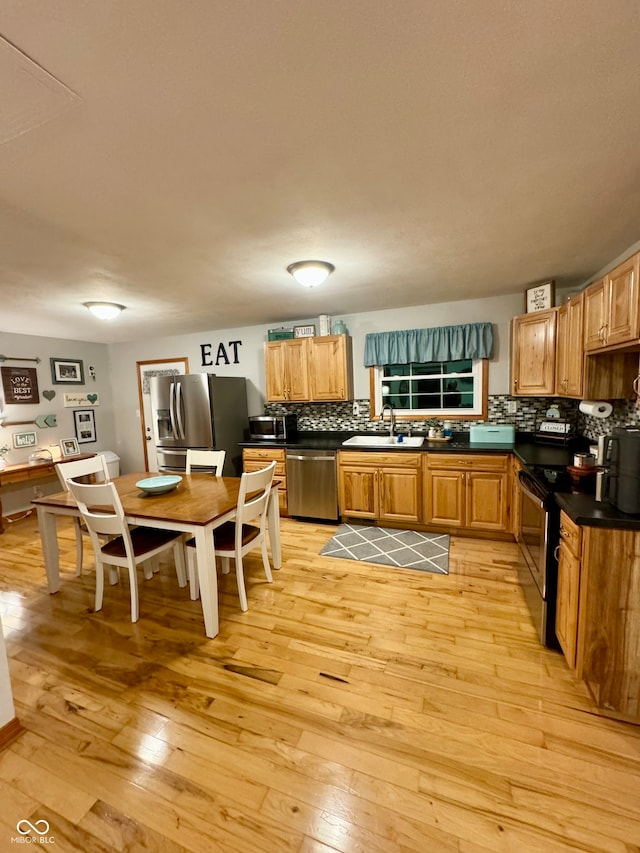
[(596, 408)]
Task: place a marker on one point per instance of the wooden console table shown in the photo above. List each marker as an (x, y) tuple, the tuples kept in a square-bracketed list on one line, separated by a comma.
[(27, 471)]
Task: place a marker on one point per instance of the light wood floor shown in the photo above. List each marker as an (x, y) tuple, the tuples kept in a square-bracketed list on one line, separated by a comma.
[(353, 708)]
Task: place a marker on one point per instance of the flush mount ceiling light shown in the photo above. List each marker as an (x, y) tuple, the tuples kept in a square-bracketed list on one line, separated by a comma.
[(310, 273), (104, 310)]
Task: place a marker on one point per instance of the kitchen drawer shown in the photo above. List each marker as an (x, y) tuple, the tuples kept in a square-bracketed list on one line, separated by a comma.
[(35, 473), (396, 459), (264, 453), (257, 465), (570, 533), (464, 461)]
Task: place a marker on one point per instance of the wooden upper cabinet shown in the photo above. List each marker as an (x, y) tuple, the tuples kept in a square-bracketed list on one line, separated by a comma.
[(569, 352), (595, 311), (286, 370), (331, 368), (318, 369), (611, 311), (274, 368), (623, 302), (533, 353)]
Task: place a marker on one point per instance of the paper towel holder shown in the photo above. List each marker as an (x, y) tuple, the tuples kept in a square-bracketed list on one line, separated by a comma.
[(595, 408)]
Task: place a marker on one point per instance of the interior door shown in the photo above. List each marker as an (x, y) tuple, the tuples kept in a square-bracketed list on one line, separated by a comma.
[(147, 369)]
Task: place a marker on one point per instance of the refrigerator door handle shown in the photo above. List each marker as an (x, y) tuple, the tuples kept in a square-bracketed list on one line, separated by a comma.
[(179, 410), (172, 409)]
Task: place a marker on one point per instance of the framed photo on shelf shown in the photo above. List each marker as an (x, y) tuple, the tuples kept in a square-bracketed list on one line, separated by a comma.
[(67, 371), (540, 296), (85, 425), (69, 447), (304, 331), (24, 439)]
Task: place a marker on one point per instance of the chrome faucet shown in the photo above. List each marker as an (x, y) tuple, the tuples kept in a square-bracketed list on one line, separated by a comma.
[(392, 421)]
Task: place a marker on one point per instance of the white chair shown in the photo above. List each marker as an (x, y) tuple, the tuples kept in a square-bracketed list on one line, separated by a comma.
[(205, 461), (234, 539), (95, 467), (103, 514)]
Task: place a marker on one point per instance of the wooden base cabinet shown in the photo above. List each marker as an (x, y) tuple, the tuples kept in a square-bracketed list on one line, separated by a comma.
[(569, 559), (598, 613), (380, 486), (608, 657), (467, 491), (255, 458)]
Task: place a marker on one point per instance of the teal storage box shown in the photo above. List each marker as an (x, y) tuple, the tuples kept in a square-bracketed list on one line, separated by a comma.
[(492, 434)]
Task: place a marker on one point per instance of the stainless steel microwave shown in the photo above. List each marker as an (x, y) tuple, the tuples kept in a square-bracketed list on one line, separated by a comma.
[(272, 427)]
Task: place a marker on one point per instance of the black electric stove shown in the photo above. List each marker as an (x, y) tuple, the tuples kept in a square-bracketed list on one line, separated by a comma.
[(538, 535), (550, 480)]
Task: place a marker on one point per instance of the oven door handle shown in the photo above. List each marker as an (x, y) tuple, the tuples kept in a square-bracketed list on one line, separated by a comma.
[(522, 483)]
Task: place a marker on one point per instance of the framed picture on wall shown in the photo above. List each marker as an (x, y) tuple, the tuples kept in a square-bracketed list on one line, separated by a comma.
[(69, 447), (540, 297), (67, 371), (85, 424)]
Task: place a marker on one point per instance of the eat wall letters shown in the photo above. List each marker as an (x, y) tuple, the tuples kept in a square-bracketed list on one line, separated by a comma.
[(221, 355)]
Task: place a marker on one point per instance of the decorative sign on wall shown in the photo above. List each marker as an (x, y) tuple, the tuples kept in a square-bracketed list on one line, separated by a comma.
[(20, 385), (222, 356), (24, 439), (81, 400)]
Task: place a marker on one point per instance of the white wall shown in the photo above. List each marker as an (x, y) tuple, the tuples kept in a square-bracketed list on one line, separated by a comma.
[(497, 310), (15, 498)]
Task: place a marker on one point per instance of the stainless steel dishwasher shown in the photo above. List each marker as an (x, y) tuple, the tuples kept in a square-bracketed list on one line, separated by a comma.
[(312, 489)]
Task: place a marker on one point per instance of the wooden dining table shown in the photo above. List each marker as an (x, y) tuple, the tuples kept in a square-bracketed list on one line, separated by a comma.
[(199, 504)]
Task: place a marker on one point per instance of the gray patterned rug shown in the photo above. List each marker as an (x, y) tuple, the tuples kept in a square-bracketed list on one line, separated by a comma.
[(406, 549)]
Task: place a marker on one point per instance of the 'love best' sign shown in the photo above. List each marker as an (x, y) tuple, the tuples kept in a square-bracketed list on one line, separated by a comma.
[(20, 385)]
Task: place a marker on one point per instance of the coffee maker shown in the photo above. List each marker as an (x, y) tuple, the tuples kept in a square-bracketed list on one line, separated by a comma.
[(621, 487)]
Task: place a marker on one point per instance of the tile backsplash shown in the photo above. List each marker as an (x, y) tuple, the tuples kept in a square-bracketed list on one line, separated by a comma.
[(339, 417)]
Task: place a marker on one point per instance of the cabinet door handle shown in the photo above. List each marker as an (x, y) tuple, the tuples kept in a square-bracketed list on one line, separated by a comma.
[(635, 386), (556, 553)]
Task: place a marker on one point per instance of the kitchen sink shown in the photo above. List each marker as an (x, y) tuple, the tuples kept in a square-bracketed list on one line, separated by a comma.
[(386, 441)]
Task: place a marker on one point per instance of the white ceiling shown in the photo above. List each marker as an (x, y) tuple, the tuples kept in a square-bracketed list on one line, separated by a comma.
[(433, 150)]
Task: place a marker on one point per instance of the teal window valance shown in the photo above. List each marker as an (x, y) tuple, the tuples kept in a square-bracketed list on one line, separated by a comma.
[(441, 343)]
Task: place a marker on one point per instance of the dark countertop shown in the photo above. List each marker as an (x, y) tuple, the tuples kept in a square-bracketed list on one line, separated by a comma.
[(523, 447), (585, 510), (582, 508)]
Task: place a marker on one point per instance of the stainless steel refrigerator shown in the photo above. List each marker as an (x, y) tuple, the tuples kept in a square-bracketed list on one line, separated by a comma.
[(200, 411)]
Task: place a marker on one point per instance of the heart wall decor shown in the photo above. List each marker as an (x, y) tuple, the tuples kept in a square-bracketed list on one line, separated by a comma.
[(48, 395), (92, 398)]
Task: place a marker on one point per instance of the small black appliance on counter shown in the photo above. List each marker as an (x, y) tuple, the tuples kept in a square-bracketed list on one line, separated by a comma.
[(622, 482)]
